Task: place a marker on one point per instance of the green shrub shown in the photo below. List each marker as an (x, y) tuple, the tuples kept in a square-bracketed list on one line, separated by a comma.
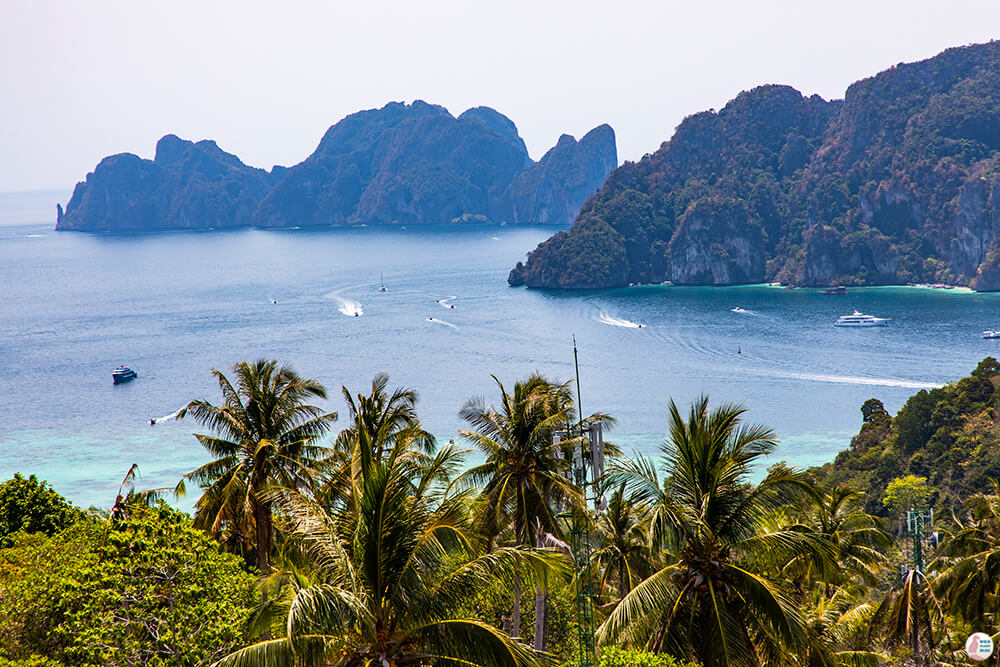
[(613, 656)]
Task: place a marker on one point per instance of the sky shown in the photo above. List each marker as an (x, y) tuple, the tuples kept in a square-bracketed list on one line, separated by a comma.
[(82, 80)]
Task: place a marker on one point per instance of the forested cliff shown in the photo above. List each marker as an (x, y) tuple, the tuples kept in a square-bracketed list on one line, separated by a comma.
[(898, 182), (401, 164)]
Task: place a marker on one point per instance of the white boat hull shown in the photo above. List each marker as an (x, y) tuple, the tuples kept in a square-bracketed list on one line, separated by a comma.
[(876, 323)]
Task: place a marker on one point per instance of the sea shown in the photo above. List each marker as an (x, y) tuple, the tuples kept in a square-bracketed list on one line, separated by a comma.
[(173, 306)]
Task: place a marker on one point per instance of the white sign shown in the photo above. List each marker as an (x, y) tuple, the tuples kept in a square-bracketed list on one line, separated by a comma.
[(979, 646)]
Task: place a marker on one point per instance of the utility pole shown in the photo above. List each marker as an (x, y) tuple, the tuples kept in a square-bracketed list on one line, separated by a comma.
[(589, 453)]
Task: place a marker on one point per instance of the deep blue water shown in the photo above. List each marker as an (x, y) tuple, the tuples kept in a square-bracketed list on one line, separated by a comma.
[(73, 306)]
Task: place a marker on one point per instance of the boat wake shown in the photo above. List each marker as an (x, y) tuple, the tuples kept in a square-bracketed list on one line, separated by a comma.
[(604, 318), (855, 379), (743, 311), (445, 302), (349, 307), (434, 320), (172, 415)]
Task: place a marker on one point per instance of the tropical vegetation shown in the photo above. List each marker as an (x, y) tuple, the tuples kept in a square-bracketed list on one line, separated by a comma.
[(374, 546)]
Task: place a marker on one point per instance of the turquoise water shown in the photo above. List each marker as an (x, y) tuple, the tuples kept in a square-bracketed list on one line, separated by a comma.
[(173, 306)]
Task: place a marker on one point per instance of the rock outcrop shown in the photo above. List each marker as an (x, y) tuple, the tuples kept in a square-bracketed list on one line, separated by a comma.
[(897, 183), (401, 164), (186, 186), (552, 190)]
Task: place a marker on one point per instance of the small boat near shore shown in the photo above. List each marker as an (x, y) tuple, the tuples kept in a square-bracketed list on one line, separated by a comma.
[(839, 289), (123, 374), (858, 319)]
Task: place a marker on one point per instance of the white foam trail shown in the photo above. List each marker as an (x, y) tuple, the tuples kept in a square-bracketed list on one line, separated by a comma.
[(743, 311), (444, 302), (349, 307), (853, 379), (35, 236), (434, 320), (604, 318), (172, 415)]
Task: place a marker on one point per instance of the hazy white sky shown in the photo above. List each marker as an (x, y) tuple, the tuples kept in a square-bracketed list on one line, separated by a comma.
[(81, 79)]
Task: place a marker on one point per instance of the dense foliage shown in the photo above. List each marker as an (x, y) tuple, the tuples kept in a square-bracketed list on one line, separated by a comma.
[(380, 548), (949, 436), (145, 589), (32, 506), (897, 183)]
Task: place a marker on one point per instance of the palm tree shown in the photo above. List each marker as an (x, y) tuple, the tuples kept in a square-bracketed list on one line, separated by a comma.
[(265, 434), (381, 425), (713, 598), (838, 516), (523, 477), (623, 552), (910, 616), (969, 561), (837, 634), (388, 570)]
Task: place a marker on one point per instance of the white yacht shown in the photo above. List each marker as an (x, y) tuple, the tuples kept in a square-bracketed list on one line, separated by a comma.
[(860, 320), (991, 334)]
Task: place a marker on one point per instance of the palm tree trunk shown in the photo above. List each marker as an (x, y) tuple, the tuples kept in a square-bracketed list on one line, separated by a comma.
[(262, 519), (262, 525), (515, 630), (540, 599), (539, 603), (519, 529)]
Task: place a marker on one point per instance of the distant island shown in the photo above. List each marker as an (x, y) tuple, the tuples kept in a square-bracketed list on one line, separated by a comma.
[(897, 183), (401, 164)]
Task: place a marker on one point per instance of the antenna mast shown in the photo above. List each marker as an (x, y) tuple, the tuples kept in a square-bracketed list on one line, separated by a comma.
[(581, 536)]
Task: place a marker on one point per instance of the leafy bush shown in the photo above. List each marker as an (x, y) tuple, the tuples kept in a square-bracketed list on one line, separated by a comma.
[(612, 656), (32, 506), (147, 589)]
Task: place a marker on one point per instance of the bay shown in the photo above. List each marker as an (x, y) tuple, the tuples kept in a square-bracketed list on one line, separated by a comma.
[(175, 305)]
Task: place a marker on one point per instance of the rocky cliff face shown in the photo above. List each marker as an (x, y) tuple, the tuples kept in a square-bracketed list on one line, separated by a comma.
[(899, 182), (706, 208), (187, 186), (551, 191), (717, 244), (401, 164)]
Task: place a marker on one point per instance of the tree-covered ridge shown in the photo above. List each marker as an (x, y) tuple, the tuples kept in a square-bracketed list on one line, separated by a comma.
[(948, 436), (897, 183), (375, 548), (400, 164)]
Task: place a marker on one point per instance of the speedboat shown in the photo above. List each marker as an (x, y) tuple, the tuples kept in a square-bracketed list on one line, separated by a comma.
[(991, 334), (860, 320), (123, 374)]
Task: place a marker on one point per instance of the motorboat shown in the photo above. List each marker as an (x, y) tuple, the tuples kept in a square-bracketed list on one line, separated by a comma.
[(991, 334), (839, 289), (123, 374), (860, 320)]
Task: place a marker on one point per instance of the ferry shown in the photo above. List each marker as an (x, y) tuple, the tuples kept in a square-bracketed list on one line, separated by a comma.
[(860, 320), (123, 374)]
